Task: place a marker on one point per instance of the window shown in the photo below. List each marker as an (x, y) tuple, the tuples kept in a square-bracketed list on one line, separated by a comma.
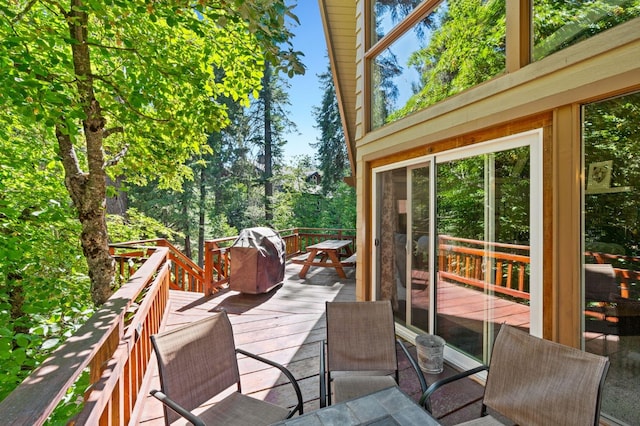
[(453, 46), (611, 233), (388, 13), (559, 24)]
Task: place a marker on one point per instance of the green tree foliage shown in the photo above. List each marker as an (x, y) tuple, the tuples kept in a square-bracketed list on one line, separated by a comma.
[(384, 90), (269, 117), (235, 177), (44, 291), (131, 87), (295, 201), (339, 210), (463, 191), (300, 204), (44, 287), (227, 193), (464, 44), (331, 147), (138, 227)]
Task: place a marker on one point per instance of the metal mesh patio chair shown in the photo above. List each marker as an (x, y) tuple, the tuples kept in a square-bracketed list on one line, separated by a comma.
[(532, 381), (359, 354), (198, 362), (601, 289)]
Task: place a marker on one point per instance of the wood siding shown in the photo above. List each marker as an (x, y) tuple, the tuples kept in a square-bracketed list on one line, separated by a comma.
[(547, 93)]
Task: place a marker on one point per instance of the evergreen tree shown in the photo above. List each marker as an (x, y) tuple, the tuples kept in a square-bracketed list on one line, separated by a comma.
[(331, 147), (268, 119)]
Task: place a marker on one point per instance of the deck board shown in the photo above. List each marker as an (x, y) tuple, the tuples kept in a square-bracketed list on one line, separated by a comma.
[(286, 325)]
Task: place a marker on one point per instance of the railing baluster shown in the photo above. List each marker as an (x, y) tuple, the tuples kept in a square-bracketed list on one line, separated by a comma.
[(499, 273)]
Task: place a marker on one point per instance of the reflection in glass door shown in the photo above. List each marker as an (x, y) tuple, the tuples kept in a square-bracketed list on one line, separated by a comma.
[(391, 239), (403, 245), (483, 225), (611, 239)]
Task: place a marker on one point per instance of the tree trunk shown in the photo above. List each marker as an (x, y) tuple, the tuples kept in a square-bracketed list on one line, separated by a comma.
[(118, 203), (268, 169), (15, 293), (88, 190)]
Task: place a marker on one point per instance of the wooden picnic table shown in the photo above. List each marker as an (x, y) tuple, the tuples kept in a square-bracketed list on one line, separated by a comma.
[(332, 253)]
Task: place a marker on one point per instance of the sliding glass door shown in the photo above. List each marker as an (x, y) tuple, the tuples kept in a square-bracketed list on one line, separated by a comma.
[(484, 245), (459, 242)]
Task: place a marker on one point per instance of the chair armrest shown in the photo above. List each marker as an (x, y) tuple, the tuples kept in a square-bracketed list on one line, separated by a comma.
[(284, 371), (177, 408), (323, 377), (414, 364), (424, 399)]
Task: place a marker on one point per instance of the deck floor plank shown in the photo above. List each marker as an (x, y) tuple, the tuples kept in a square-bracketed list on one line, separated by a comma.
[(286, 325)]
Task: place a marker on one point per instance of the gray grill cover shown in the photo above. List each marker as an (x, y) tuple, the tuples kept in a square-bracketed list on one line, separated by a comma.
[(257, 261)]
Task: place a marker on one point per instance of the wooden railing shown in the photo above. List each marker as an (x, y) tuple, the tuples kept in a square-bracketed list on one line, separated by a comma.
[(114, 343), (501, 268), (186, 275), (504, 268)]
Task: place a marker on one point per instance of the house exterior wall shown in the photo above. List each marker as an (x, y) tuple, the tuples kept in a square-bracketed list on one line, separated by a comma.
[(544, 94)]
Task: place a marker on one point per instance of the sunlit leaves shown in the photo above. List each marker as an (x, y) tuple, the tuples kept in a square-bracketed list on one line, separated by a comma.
[(559, 24), (158, 71), (331, 147), (43, 292)]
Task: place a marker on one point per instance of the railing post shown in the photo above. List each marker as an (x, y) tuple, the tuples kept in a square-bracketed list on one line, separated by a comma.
[(208, 268)]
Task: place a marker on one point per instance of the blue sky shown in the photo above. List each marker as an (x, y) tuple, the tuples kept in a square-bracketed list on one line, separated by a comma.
[(305, 92)]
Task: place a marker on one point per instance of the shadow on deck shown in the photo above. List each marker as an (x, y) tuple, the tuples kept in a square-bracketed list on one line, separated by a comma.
[(286, 325)]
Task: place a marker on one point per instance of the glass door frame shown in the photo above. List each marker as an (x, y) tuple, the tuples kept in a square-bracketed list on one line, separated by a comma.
[(431, 263)]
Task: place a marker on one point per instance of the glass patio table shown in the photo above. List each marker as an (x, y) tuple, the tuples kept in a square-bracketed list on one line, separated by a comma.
[(388, 407)]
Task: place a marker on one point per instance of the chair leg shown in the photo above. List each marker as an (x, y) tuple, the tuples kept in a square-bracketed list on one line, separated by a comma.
[(323, 377), (414, 364)]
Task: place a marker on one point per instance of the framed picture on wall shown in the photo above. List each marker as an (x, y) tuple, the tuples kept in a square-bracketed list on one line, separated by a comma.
[(599, 175)]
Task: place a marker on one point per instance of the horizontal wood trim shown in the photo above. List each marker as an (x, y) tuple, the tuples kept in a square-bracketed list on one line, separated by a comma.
[(535, 122)]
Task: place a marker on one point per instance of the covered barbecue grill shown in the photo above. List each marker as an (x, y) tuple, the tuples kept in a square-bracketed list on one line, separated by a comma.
[(257, 261)]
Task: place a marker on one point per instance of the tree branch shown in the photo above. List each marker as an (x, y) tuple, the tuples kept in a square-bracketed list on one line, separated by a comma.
[(26, 10), (119, 156), (108, 132), (103, 46), (124, 101)]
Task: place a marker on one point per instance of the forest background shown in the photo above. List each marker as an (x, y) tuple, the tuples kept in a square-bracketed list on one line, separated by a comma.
[(106, 139)]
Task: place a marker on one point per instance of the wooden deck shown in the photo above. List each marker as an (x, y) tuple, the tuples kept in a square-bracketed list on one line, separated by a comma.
[(286, 325)]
